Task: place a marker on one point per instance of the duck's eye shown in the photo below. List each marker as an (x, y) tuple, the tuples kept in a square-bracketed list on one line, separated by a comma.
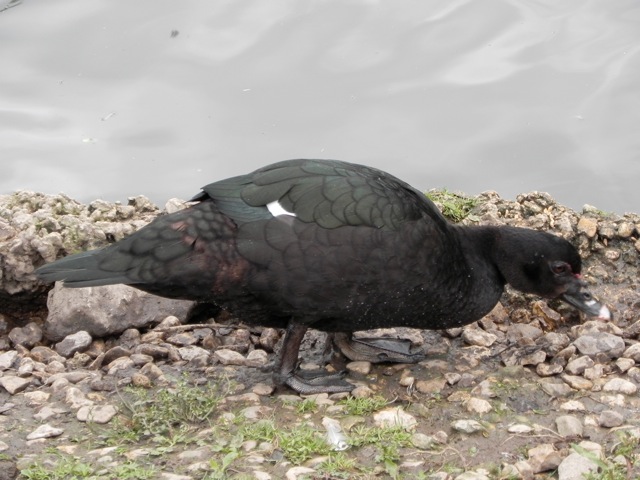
[(560, 268)]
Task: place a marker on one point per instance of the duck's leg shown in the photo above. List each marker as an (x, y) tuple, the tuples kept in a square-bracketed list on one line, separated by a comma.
[(287, 373), (376, 350)]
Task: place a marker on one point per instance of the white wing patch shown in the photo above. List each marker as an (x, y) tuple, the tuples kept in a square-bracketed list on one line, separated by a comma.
[(276, 209)]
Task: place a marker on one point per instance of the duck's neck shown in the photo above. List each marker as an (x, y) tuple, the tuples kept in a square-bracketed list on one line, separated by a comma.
[(486, 281)]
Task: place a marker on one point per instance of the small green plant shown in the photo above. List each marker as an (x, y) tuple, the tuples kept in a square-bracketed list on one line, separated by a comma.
[(65, 467), (302, 443), (133, 471), (166, 416), (338, 465), (363, 406), (454, 206), (388, 440), (308, 405)]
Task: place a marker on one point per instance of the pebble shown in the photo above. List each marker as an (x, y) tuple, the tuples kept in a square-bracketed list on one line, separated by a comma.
[(620, 385), (576, 467), (633, 353), (478, 405), (45, 431), (544, 458), (75, 398), (13, 384), (477, 336), (422, 441), (569, 426), (548, 369), (467, 426), (96, 414), (556, 389), (257, 358), (299, 472), (7, 359), (579, 365), (73, 343), (229, 357), (610, 419), (359, 367), (624, 364), (519, 428), (577, 382), (26, 336), (595, 343), (573, 406), (395, 417), (435, 385), (192, 352)]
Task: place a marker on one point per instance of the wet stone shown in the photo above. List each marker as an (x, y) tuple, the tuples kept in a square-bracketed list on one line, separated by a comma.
[(96, 414), (362, 368)]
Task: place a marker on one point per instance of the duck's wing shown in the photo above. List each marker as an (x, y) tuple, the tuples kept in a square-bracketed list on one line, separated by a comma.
[(328, 193)]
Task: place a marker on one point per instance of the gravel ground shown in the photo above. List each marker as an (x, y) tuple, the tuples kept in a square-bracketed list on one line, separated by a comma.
[(530, 391)]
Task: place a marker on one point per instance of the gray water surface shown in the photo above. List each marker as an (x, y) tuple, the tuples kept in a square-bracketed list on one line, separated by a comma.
[(109, 99)]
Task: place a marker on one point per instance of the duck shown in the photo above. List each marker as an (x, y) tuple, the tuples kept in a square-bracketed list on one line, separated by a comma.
[(337, 247)]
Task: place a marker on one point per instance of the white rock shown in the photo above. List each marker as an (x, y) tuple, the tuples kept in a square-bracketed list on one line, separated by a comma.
[(257, 358), (467, 426), (477, 336), (573, 406), (620, 385), (296, 473), (229, 357), (520, 428), (569, 426), (478, 405), (76, 399), (14, 384), (363, 368), (96, 414), (395, 417), (633, 352), (191, 352), (37, 398), (7, 359), (575, 467), (45, 431)]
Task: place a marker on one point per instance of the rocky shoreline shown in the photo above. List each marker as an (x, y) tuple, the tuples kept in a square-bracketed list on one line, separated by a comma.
[(527, 392)]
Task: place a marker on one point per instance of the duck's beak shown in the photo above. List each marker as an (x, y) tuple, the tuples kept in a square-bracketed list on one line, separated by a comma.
[(578, 296)]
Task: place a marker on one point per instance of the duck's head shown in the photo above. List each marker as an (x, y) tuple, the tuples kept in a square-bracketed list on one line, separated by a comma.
[(546, 265)]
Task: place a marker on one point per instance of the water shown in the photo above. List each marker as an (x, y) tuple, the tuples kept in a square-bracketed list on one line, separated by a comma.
[(108, 99)]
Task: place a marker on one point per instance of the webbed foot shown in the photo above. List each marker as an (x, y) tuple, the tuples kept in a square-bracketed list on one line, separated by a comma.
[(287, 373), (376, 350), (316, 381)]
